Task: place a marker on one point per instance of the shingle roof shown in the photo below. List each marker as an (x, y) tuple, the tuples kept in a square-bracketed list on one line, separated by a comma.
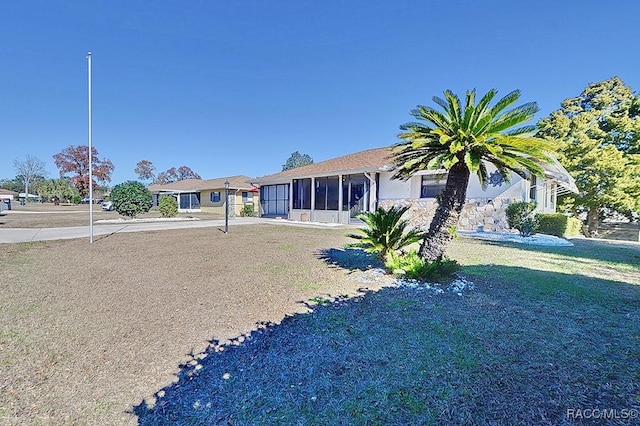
[(363, 161), (7, 192), (187, 185)]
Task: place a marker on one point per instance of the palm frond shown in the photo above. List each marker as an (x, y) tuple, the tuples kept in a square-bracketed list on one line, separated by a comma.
[(483, 175), (384, 231), (469, 109), (503, 103), (454, 106), (513, 117), (474, 134)]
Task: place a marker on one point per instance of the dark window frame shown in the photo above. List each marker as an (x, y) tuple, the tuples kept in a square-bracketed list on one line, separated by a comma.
[(432, 185), (302, 194)]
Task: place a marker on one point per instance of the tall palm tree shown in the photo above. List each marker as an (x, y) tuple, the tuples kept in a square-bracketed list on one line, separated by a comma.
[(463, 139)]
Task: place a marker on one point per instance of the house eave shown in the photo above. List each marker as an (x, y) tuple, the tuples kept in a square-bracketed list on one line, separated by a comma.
[(287, 179)]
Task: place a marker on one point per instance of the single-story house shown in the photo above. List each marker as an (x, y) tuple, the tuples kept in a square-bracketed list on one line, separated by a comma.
[(208, 195), (336, 190), (7, 194)]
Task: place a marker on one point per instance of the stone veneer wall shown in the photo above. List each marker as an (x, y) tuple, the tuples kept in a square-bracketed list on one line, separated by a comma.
[(485, 213)]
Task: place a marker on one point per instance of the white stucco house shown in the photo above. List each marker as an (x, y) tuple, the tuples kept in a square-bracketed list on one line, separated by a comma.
[(335, 190)]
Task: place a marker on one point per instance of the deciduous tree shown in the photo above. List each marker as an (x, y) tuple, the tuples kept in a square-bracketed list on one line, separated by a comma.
[(145, 170), (74, 162), (174, 175), (598, 136), (463, 139), (29, 170)]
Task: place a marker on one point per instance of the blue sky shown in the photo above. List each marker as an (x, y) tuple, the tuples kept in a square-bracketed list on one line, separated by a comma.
[(234, 87)]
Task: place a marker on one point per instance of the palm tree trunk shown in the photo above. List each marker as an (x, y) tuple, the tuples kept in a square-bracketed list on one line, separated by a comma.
[(447, 214)]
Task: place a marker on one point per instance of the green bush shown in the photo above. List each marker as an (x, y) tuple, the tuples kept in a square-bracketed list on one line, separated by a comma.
[(131, 198), (521, 216), (168, 206), (411, 265), (247, 210), (76, 199), (574, 227), (385, 232), (558, 224)]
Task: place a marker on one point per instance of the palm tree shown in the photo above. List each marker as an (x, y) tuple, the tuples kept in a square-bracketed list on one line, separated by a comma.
[(463, 139), (385, 232)]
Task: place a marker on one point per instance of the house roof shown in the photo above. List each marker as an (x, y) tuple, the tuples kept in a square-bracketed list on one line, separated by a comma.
[(7, 192), (379, 160), (239, 182), (364, 161), (558, 173)]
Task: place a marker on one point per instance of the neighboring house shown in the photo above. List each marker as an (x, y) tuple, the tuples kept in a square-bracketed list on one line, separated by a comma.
[(198, 195), (336, 190), (6, 194)]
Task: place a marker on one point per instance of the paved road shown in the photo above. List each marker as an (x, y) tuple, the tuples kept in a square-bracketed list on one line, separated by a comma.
[(22, 235)]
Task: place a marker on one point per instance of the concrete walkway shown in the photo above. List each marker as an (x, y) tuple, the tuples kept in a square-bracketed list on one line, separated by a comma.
[(23, 235)]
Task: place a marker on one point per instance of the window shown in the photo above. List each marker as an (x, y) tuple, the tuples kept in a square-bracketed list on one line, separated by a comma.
[(247, 197), (274, 199), (190, 201), (302, 193), (215, 197), (533, 188), (327, 193), (432, 185)]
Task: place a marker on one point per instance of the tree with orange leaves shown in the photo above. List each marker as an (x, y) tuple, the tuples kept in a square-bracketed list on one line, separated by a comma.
[(73, 162)]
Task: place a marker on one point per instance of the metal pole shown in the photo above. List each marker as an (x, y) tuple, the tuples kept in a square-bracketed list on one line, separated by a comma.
[(226, 204), (90, 160)]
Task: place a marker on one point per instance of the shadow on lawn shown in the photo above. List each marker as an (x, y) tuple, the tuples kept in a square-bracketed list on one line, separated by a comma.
[(520, 351), (352, 259)]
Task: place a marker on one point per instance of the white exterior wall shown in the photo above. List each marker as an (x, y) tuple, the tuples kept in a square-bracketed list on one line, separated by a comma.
[(399, 190), (484, 208)]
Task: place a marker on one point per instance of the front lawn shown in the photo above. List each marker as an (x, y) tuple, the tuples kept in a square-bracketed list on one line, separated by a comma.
[(546, 335), (92, 334)]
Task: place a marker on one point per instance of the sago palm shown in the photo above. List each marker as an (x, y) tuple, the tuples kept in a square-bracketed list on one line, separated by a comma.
[(384, 231), (463, 139)]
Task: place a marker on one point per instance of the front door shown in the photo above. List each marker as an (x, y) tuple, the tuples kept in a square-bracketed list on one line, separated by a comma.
[(357, 198)]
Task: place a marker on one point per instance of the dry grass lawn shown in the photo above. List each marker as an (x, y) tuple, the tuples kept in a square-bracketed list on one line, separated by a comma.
[(46, 215), (87, 331)]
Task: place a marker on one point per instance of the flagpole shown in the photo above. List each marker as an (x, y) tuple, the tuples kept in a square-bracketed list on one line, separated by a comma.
[(90, 159)]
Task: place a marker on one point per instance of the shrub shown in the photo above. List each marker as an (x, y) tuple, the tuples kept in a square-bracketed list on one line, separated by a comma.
[(76, 199), (247, 210), (574, 227), (384, 232), (411, 265), (558, 224), (131, 198), (521, 216), (168, 206)]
